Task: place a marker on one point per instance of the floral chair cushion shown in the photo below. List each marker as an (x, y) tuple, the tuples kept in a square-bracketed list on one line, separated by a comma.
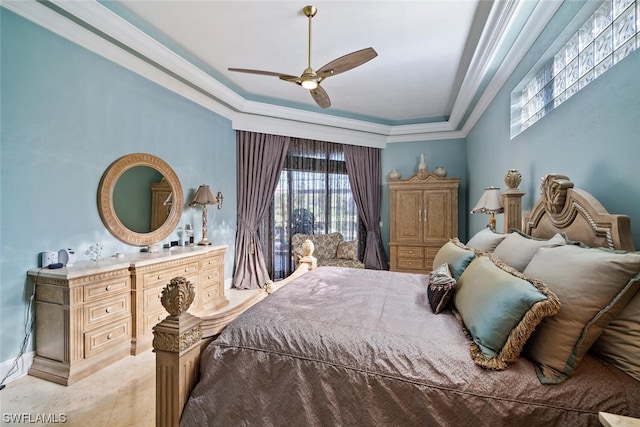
[(330, 249), (348, 250)]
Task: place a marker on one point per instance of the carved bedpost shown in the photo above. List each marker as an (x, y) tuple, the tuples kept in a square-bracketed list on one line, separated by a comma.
[(176, 342), (304, 263), (512, 201), (307, 255)]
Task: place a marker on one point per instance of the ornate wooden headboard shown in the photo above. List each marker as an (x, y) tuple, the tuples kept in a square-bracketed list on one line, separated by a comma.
[(564, 209)]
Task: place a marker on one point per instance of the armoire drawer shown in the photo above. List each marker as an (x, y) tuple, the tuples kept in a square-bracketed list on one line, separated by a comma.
[(410, 252), (411, 264)]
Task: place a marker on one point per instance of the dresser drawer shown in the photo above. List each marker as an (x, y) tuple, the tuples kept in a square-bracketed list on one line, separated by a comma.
[(410, 252), (210, 278), (107, 336), (164, 277), (106, 288), (154, 317), (153, 296), (212, 262), (210, 296), (106, 310)]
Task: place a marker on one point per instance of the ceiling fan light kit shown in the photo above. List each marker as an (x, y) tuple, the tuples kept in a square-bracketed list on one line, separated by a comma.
[(311, 79)]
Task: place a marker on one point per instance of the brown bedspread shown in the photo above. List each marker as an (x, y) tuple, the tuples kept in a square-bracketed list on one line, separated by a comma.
[(358, 347)]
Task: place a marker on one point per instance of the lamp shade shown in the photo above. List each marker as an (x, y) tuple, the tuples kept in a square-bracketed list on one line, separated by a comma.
[(203, 196), (490, 201)]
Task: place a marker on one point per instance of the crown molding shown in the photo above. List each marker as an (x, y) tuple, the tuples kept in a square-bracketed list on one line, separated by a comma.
[(497, 26), (117, 40), (279, 126), (534, 26)]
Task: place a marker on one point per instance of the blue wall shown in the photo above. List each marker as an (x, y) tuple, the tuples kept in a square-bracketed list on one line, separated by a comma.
[(593, 137), (66, 115)]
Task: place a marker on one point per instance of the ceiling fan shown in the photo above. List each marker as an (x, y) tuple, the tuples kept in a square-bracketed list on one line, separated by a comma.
[(311, 79)]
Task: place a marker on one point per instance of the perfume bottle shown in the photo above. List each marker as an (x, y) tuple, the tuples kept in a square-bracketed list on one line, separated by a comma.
[(180, 232), (188, 233)]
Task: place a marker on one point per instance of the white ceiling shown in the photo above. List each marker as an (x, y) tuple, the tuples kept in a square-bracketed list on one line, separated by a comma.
[(420, 45), (439, 63)]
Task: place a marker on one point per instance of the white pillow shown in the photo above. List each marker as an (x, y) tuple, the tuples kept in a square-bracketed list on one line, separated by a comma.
[(517, 250), (486, 240)]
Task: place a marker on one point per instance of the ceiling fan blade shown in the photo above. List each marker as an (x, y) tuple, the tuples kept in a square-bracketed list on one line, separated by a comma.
[(263, 73), (347, 62), (292, 79), (321, 97)]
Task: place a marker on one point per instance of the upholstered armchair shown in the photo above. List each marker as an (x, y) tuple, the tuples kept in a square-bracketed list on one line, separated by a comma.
[(330, 249)]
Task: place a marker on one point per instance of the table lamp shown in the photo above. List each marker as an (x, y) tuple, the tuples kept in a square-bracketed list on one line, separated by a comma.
[(204, 197), (490, 202)]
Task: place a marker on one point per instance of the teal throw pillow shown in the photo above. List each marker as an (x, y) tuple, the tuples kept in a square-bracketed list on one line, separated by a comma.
[(456, 255), (500, 308)]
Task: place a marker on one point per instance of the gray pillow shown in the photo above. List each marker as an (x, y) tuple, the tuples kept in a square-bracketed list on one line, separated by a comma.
[(486, 240), (516, 250), (619, 344), (593, 284)]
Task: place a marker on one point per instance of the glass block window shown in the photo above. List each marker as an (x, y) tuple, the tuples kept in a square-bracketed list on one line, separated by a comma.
[(610, 34)]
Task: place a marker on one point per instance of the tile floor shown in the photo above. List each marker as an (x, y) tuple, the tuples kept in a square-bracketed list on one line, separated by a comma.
[(120, 395)]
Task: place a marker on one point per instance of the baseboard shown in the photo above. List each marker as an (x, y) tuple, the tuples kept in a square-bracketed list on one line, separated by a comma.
[(23, 367)]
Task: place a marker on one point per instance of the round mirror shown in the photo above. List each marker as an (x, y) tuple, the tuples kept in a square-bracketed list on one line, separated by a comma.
[(140, 199)]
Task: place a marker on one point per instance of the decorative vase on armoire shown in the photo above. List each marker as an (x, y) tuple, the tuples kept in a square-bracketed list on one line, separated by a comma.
[(440, 172), (422, 165)]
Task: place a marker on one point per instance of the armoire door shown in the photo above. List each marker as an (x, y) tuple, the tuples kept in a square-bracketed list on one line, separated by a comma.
[(407, 226), (436, 220)]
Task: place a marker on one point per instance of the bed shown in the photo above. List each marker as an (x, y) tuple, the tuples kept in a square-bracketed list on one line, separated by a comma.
[(339, 346)]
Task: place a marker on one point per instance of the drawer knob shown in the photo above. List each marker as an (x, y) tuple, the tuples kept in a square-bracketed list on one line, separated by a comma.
[(108, 288), (186, 269), (410, 252), (209, 276), (160, 318), (109, 310), (209, 295), (159, 295), (159, 276), (109, 336)]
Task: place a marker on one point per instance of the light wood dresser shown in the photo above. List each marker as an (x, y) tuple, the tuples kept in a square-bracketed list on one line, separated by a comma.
[(424, 216), (93, 313), (203, 268)]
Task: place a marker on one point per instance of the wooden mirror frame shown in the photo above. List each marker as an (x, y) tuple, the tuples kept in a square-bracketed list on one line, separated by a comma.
[(107, 209)]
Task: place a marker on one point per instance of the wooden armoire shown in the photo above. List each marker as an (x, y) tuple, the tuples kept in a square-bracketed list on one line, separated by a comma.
[(424, 216)]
